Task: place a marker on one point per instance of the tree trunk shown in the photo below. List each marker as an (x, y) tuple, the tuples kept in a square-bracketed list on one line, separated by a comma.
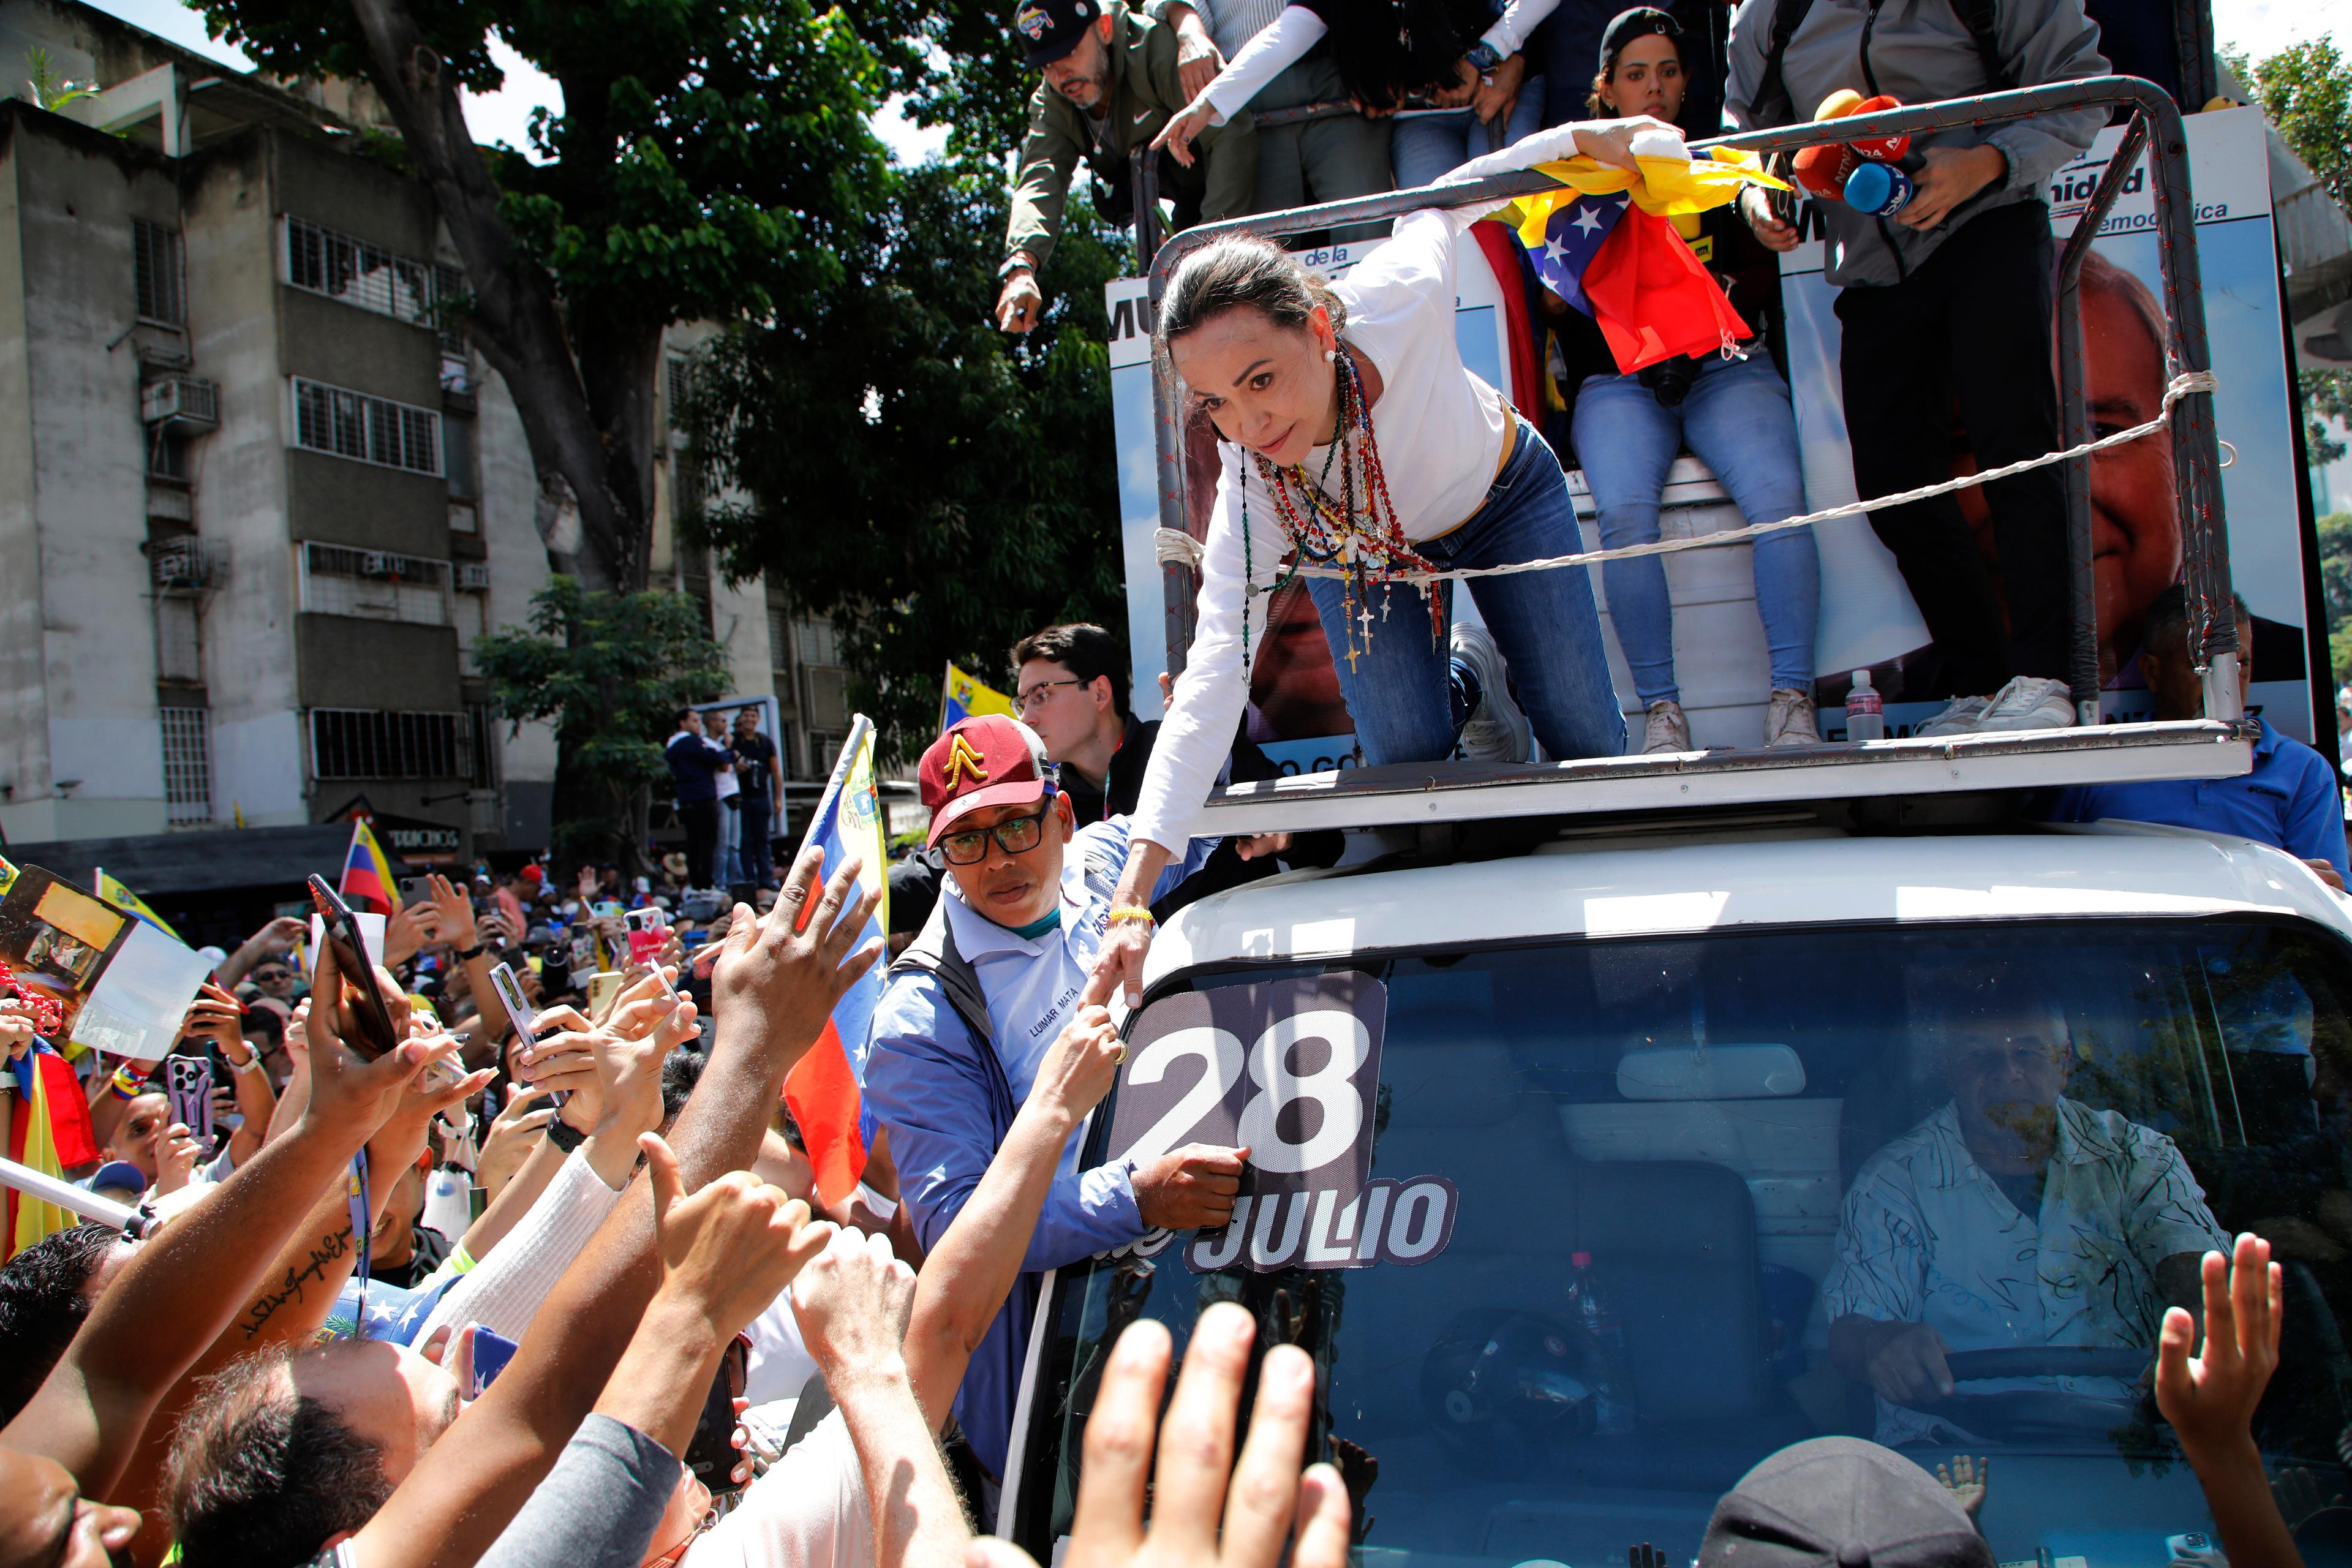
[(515, 320)]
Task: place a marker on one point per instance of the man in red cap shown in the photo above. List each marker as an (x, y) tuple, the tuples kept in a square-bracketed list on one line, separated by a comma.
[(1001, 970)]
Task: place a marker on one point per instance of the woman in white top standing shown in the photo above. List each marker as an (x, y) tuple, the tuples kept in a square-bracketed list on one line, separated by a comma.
[(1352, 435)]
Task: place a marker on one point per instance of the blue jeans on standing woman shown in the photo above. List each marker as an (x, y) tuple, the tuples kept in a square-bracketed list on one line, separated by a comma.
[(1426, 148), (1737, 417), (1401, 693)]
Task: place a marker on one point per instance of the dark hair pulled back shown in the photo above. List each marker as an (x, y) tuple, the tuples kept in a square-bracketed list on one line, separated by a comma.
[(1243, 272)]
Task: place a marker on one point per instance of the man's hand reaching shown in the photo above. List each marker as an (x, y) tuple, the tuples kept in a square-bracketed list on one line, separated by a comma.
[(1190, 1188), (782, 974), (1207, 1510), (852, 1302)]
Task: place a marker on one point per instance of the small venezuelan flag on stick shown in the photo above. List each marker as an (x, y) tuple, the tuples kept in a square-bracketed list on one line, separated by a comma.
[(367, 882)]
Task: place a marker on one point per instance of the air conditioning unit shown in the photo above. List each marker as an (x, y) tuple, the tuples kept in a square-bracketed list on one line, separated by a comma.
[(180, 402), (473, 576), (185, 564), (379, 564)]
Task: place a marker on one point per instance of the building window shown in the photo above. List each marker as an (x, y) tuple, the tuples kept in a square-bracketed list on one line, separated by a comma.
[(188, 765), (482, 729), (178, 645), (457, 457), (677, 387), (358, 273), (375, 585), (819, 643), (348, 424), (372, 744), (167, 454), (157, 264)]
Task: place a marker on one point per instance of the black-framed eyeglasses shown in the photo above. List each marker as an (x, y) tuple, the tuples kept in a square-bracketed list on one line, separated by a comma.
[(1016, 835), (1033, 695)]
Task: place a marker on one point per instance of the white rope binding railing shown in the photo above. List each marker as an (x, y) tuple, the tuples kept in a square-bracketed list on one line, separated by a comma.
[(1176, 548)]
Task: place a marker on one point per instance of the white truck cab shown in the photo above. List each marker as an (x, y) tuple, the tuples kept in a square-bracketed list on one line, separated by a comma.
[(1686, 1048)]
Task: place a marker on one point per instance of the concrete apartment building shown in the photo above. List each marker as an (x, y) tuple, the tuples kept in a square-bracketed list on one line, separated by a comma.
[(254, 502)]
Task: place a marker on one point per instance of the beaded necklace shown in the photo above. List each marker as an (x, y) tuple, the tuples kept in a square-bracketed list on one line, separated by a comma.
[(1361, 537)]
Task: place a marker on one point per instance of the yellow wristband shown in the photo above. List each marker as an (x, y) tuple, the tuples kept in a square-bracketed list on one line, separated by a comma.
[(1122, 913)]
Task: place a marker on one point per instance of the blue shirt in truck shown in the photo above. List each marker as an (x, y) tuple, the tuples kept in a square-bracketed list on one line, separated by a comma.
[(949, 1097), (2289, 800)]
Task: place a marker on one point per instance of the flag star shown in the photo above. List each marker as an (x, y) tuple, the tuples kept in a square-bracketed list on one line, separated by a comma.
[(1588, 220), (1555, 252)]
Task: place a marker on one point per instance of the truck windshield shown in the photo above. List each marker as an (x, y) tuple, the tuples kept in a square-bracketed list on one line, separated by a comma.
[(1807, 1179)]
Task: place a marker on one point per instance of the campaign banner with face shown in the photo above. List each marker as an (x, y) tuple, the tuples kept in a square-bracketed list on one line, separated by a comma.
[(1867, 614)]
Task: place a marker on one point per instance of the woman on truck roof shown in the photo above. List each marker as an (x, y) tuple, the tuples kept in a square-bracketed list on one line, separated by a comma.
[(1733, 412), (1351, 433)]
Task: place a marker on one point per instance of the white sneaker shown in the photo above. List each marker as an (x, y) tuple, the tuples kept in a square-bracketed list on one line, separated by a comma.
[(1789, 721), (1496, 731), (2029, 702), (1667, 731), (1959, 719)]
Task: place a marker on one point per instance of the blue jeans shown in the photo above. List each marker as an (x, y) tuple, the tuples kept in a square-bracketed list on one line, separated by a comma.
[(1736, 418), (755, 863), (1426, 148), (1545, 622)]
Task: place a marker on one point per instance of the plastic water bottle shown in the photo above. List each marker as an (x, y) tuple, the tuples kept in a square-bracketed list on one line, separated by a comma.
[(1865, 711), (1591, 1308)]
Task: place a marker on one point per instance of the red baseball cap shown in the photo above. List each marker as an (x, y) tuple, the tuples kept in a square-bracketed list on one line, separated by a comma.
[(980, 762)]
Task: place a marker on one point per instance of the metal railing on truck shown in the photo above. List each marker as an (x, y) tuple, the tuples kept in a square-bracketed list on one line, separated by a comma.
[(2218, 746)]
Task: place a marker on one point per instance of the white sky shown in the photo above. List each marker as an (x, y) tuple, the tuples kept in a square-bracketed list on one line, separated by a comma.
[(2258, 27)]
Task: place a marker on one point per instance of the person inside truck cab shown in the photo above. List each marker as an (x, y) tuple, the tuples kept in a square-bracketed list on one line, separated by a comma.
[(1351, 434), (2289, 800), (2011, 1217), (1946, 300), (976, 1003)]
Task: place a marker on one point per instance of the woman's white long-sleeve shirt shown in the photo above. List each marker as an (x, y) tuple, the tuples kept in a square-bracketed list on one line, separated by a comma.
[(1301, 27), (1439, 430)]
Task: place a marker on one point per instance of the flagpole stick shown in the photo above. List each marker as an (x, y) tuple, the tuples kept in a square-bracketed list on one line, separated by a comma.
[(860, 726), (66, 1195)]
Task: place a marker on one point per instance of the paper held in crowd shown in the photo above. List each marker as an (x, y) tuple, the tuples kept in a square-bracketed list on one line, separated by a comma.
[(370, 936), (122, 985)]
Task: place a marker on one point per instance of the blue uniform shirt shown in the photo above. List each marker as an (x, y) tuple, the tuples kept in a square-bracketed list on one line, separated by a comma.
[(949, 1100), (2289, 800)]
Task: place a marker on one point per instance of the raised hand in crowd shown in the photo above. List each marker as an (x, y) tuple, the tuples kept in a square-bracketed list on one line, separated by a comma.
[(2210, 1399), (1198, 58), (515, 1131), (176, 1150), (278, 937), (776, 985), (177, 1295), (611, 1074), (1207, 1509), (217, 1016)]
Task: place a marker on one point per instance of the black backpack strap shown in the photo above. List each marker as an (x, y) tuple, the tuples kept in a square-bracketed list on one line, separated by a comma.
[(1771, 105), (1980, 19), (933, 952)]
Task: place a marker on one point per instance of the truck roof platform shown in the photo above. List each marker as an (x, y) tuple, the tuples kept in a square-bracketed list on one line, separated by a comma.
[(1459, 792)]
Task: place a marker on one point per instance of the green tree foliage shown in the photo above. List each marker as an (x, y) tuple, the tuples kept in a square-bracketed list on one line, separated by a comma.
[(2306, 91), (712, 159), (933, 486), (2334, 533), (610, 672)]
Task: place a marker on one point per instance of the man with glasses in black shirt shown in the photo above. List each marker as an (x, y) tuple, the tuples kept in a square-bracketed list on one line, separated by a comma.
[(975, 1003)]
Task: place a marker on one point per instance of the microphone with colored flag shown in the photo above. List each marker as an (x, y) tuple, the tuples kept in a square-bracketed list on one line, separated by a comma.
[(826, 1089)]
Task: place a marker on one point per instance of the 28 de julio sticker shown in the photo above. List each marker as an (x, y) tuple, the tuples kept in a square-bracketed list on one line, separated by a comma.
[(1290, 1069)]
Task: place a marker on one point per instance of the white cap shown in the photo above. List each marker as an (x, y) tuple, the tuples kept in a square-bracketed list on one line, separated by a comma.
[(1861, 677)]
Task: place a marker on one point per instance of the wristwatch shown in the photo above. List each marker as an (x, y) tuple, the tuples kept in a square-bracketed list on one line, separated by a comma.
[(564, 1135), (467, 954), (1483, 57)]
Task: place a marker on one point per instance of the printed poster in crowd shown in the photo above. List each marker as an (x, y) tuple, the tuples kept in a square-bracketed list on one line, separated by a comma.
[(1868, 618), (122, 985), (1291, 1070)]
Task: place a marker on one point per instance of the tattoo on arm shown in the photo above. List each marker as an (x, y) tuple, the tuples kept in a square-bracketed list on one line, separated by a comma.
[(330, 1248)]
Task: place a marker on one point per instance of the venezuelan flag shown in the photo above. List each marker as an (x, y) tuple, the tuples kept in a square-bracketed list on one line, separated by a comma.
[(1610, 243), (368, 881), (113, 892), (964, 697), (825, 1091), (49, 1131)]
